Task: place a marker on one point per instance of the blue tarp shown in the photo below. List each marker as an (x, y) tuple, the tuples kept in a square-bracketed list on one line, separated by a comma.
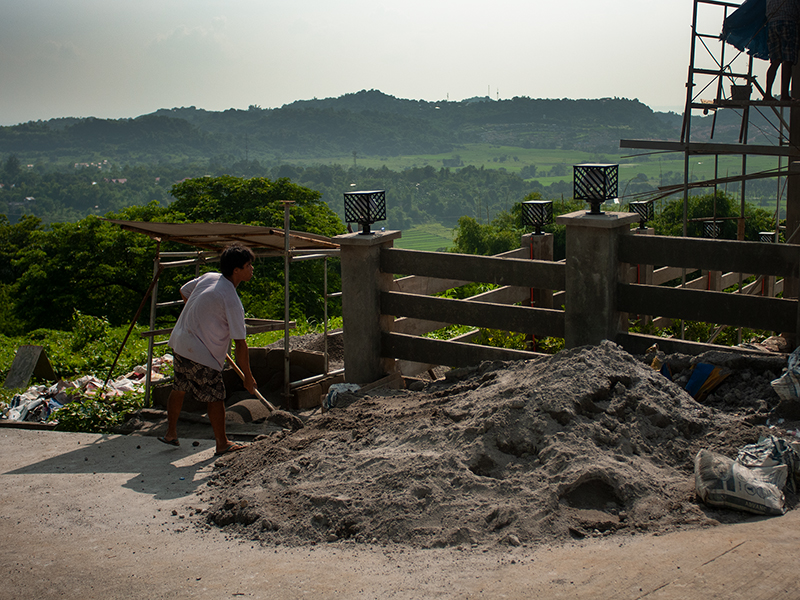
[(746, 29)]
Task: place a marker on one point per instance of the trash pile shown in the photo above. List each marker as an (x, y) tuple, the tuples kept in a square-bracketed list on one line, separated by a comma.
[(756, 479), (38, 402)]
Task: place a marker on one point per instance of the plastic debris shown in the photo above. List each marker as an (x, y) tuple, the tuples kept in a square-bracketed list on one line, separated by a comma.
[(38, 402), (705, 378), (336, 389), (787, 386)]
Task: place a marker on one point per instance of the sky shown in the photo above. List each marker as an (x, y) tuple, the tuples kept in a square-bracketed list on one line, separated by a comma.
[(125, 58)]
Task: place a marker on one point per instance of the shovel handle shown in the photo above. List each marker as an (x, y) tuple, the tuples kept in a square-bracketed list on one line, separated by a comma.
[(236, 368)]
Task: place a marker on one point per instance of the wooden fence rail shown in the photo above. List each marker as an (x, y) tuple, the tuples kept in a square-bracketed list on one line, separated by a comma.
[(384, 316)]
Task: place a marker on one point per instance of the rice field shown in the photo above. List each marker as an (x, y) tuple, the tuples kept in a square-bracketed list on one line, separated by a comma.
[(431, 237)]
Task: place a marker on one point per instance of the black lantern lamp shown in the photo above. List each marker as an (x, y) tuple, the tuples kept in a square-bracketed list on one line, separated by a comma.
[(644, 209), (595, 183), (711, 229), (767, 237), (537, 213), (365, 208)]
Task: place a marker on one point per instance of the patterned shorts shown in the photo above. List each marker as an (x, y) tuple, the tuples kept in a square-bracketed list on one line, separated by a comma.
[(783, 41), (203, 382)]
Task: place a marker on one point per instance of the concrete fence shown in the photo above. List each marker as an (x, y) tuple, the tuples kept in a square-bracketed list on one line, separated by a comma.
[(609, 273)]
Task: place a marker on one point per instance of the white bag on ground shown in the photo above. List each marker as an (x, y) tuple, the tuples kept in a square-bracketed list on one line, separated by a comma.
[(720, 481)]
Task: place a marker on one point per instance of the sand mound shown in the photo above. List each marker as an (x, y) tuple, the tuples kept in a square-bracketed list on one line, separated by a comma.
[(588, 442)]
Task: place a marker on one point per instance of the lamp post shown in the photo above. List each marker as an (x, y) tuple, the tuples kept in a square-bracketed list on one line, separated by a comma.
[(711, 229), (596, 184), (537, 213), (365, 208), (644, 209)]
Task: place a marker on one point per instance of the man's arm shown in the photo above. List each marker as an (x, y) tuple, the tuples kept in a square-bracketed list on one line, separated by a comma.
[(243, 360)]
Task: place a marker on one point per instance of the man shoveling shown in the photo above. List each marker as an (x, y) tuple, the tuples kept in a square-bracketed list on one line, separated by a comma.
[(213, 315)]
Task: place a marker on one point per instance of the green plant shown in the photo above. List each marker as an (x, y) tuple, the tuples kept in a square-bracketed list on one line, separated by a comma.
[(501, 339), (549, 345), (93, 414)]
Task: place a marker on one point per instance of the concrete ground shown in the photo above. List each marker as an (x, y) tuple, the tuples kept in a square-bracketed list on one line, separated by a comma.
[(88, 516)]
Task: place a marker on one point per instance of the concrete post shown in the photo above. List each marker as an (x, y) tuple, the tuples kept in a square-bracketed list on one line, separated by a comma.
[(593, 271), (362, 283)]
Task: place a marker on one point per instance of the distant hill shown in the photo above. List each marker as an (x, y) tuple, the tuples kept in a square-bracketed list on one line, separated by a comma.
[(367, 122)]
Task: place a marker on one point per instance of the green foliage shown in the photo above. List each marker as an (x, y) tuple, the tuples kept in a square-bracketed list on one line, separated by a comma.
[(99, 269), (255, 201), (368, 122), (501, 339), (449, 332), (96, 415), (91, 265), (89, 348), (259, 201), (87, 329), (696, 331), (721, 206), (500, 235), (549, 345)]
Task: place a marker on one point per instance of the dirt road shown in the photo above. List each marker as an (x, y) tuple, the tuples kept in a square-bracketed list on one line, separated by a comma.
[(87, 516)]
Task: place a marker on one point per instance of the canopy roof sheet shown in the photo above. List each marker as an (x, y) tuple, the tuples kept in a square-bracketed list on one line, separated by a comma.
[(215, 236)]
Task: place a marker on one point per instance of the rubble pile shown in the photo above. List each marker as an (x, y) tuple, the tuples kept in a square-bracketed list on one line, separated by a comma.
[(589, 442)]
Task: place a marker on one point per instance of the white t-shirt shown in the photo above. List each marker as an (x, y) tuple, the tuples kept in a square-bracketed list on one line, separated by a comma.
[(212, 317)]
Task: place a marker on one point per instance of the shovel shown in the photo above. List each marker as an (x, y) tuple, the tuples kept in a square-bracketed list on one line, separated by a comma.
[(279, 417)]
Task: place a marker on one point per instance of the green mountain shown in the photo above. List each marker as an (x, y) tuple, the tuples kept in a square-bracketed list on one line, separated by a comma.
[(369, 123)]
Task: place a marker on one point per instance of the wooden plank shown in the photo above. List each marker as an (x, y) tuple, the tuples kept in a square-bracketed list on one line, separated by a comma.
[(503, 295), (448, 353), (638, 343), (263, 325), (416, 284), (711, 255), (772, 314), (521, 319), (428, 286), (665, 274), (28, 361), (485, 269), (411, 368)]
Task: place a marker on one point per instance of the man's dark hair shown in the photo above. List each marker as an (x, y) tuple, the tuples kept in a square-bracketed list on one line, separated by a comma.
[(233, 257)]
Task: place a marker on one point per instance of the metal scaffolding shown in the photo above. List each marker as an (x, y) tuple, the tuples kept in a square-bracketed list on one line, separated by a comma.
[(722, 78)]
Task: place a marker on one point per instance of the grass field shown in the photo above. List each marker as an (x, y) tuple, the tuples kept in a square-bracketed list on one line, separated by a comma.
[(432, 237), (659, 169)]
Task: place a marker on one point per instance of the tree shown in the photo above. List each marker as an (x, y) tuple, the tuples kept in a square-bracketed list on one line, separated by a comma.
[(722, 206), (259, 201), (500, 235), (92, 266)]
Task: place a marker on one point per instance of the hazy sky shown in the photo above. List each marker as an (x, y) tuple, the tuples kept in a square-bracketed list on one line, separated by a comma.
[(125, 58)]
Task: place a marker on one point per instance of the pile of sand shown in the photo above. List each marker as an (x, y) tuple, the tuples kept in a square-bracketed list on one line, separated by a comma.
[(588, 442)]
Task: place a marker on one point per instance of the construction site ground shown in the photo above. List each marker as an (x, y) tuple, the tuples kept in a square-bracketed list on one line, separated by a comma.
[(88, 516)]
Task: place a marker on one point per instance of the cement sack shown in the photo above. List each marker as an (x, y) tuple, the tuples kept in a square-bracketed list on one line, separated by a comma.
[(720, 481)]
